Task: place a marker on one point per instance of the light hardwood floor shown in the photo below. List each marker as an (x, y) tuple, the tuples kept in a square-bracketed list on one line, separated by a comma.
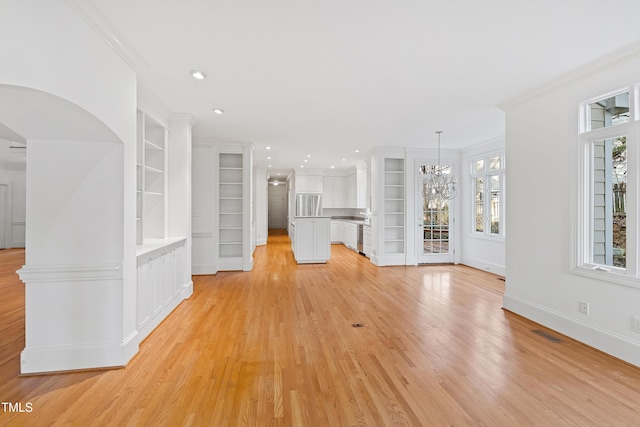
[(276, 346)]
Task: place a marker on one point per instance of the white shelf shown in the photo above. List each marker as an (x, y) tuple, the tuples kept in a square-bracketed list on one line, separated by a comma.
[(394, 209), (151, 185), (230, 200)]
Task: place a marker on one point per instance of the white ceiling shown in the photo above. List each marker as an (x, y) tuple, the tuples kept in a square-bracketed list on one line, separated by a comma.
[(326, 77)]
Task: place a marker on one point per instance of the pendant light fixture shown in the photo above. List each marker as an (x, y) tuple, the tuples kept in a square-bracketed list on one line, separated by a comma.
[(438, 186)]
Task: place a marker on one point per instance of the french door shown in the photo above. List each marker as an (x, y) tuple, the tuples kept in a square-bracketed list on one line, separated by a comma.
[(435, 230)]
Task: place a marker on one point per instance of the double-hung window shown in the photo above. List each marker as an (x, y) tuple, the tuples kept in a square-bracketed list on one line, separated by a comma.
[(607, 219), (487, 182)]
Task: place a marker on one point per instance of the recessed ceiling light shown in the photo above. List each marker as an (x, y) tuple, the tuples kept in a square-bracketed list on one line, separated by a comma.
[(267, 148), (301, 166), (278, 173), (198, 75), (344, 160), (268, 157), (308, 155), (305, 160), (218, 110), (333, 167), (356, 150), (269, 165)]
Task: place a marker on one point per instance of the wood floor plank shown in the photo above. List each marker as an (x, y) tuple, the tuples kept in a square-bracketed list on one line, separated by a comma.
[(276, 347)]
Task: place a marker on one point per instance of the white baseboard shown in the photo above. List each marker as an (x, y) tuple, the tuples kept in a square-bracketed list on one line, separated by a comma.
[(203, 269), (483, 265), (616, 345)]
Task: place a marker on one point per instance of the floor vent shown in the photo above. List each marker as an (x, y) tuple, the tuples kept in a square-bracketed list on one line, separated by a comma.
[(546, 335), (357, 325)]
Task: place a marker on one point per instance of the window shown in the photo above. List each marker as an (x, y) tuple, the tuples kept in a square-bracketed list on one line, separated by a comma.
[(487, 182), (606, 216)]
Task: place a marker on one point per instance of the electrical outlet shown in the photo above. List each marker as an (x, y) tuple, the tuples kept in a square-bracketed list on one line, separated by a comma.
[(583, 307), (635, 323)]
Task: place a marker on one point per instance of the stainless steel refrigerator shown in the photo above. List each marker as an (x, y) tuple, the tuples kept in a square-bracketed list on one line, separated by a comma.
[(308, 204)]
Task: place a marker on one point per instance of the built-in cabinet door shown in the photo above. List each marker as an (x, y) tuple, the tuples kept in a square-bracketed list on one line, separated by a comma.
[(315, 184), (351, 190), (322, 232), (327, 192), (309, 184), (302, 184), (339, 189), (304, 239), (335, 231)]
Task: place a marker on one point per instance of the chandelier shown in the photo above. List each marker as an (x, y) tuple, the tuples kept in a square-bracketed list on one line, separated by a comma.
[(438, 186)]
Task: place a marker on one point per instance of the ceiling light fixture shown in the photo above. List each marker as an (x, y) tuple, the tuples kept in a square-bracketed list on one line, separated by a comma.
[(267, 148), (438, 185), (356, 150), (198, 75), (218, 110)]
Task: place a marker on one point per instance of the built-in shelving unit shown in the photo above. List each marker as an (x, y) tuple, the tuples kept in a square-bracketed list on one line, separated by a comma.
[(230, 212), (394, 207), (151, 179)]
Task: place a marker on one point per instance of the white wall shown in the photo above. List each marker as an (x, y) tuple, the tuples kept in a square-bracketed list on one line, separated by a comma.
[(261, 206), (541, 147), (485, 253), (13, 174), (80, 207)]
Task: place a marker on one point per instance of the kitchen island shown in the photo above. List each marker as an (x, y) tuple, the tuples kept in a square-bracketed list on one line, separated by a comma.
[(311, 239)]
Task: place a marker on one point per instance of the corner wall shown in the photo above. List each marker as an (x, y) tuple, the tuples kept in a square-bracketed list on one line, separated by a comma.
[(541, 148)]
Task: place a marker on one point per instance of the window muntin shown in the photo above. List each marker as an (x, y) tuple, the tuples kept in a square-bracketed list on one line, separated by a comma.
[(487, 178)]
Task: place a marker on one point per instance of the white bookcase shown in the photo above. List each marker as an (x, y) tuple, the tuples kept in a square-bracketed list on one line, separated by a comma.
[(151, 179), (234, 204), (394, 207)]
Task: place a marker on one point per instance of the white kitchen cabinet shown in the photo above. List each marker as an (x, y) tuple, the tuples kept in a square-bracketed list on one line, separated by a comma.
[(352, 187), (309, 184), (339, 189), (350, 234), (333, 192), (366, 240), (311, 243), (356, 189), (336, 231)]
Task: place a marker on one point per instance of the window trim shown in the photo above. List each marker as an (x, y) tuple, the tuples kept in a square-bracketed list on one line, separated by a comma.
[(486, 174), (582, 208)]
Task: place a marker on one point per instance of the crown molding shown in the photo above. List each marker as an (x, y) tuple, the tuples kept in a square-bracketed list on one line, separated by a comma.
[(108, 32), (617, 58)]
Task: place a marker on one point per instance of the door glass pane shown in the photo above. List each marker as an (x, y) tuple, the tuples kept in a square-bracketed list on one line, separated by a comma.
[(609, 186), (435, 220), (495, 204), (479, 202)]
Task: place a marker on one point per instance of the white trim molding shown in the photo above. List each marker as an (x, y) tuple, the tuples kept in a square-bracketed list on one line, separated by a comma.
[(66, 273), (603, 340)]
